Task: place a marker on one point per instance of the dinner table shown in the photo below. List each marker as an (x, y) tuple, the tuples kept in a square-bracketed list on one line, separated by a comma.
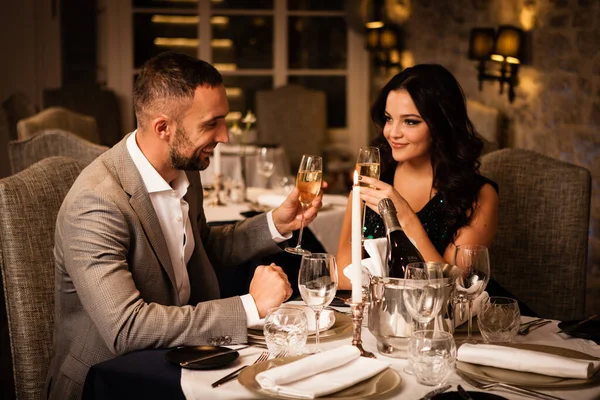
[(147, 374)]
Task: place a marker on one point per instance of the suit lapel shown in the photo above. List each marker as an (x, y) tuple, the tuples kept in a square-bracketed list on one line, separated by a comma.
[(132, 183)]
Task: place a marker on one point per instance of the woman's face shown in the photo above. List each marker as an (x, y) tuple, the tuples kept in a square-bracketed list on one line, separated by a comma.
[(405, 130)]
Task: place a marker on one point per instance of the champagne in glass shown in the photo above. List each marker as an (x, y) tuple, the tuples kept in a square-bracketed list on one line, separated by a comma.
[(474, 261), (368, 164), (317, 282), (308, 182)]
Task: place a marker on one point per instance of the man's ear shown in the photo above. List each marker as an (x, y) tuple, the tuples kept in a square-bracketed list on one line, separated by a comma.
[(162, 127)]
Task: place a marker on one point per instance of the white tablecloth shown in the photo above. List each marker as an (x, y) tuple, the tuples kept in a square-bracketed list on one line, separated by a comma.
[(326, 227), (196, 384), (231, 166)]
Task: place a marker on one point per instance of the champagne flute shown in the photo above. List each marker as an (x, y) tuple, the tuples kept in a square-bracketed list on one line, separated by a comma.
[(317, 282), (474, 261), (368, 164), (308, 181), (265, 163)]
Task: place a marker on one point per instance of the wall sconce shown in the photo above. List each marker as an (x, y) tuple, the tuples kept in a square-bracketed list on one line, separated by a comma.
[(383, 40), (499, 54)]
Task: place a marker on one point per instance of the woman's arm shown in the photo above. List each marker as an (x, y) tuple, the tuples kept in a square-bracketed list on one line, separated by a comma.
[(481, 229), (344, 254)]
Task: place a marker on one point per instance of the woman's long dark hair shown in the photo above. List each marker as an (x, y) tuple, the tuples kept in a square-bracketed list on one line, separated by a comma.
[(455, 147)]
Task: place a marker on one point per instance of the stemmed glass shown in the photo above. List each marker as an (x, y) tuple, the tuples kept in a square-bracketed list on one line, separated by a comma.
[(368, 164), (474, 261), (317, 282), (308, 181), (423, 294), (265, 163)]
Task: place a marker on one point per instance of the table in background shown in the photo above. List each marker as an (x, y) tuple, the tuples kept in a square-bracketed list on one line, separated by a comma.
[(231, 165), (116, 378)]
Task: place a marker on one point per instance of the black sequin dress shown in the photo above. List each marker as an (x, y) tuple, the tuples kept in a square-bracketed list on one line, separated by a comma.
[(434, 219)]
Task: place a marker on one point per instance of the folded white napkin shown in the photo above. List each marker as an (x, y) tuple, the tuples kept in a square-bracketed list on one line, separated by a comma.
[(462, 317), (372, 266), (527, 361), (326, 319), (321, 373)]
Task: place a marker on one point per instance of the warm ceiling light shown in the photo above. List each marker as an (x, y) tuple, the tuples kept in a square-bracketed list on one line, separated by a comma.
[(221, 43), (175, 19), (374, 24), (497, 57), (219, 20), (512, 60), (225, 66), (176, 42), (233, 91)]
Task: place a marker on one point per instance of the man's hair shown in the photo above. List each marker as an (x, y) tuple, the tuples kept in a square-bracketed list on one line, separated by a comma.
[(168, 79)]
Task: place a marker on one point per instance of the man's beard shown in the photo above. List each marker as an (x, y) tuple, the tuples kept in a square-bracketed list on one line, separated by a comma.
[(181, 162)]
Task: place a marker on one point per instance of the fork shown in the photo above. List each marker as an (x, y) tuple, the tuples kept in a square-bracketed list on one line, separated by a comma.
[(491, 385), (264, 356), (525, 330)]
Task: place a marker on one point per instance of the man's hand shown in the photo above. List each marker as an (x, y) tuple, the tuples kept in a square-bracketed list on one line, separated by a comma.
[(288, 216), (269, 288)]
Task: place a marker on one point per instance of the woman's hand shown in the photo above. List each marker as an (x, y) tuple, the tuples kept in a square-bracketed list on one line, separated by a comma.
[(372, 197)]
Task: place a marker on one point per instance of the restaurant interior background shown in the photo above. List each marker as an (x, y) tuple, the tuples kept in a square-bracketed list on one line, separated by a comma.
[(95, 44)]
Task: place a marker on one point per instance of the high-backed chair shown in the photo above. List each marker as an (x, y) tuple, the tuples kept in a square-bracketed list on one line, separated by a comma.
[(540, 251), (295, 118), (29, 203), (48, 143), (83, 126)]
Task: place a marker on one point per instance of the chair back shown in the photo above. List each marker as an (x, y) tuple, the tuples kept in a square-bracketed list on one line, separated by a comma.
[(48, 143), (293, 117), (29, 204), (540, 251), (16, 107), (81, 125)]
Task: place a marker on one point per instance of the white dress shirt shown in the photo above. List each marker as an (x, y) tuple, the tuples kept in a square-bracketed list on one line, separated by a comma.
[(173, 215)]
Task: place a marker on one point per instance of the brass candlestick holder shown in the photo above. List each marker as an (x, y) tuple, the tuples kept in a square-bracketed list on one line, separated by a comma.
[(357, 310), (217, 185)]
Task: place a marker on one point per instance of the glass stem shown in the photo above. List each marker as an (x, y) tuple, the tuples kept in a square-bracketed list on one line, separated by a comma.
[(470, 316), (317, 316), (301, 227)]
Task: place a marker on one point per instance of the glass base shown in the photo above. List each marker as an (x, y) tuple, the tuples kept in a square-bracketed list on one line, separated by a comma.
[(298, 250)]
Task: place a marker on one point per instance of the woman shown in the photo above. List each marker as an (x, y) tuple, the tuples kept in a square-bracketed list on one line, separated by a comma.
[(429, 168)]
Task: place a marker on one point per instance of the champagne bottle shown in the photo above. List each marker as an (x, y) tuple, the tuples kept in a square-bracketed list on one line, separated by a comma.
[(400, 250)]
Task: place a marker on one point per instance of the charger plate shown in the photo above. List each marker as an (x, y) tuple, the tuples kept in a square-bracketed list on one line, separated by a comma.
[(384, 382), (341, 327), (528, 379)]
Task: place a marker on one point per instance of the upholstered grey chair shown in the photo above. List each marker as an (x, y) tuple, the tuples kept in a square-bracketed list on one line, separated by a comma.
[(48, 143), (29, 203), (540, 251), (81, 125), (295, 118)]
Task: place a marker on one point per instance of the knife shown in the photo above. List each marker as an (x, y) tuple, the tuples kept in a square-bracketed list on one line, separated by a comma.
[(435, 392), (195, 360)]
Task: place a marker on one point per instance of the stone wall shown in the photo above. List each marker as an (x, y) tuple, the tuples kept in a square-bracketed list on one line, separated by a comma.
[(557, 107)]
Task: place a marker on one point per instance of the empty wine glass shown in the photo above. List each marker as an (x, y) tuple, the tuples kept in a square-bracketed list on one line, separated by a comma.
[(308, 182), (317, 282), (368, 164), (423, 294), (265, 163), (474, 261)]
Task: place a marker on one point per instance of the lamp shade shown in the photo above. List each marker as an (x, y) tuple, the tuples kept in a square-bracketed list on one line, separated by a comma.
[(509, 42), (481, 43)]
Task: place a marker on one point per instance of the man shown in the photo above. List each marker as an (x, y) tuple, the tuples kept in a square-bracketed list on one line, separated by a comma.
[(135, 258)]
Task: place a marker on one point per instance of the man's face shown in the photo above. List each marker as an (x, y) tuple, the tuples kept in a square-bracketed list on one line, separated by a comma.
[(199, 129)]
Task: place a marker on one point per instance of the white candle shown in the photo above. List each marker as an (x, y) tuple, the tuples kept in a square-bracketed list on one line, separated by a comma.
[(217, 160), (356, 242)]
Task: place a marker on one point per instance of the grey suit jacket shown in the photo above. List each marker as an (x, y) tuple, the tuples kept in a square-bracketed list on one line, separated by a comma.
[(115, 285)]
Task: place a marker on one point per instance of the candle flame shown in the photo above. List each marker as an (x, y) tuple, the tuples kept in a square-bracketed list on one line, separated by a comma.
[(355, 178)]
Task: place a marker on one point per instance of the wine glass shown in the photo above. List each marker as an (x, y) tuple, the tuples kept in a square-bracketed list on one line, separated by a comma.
[(368, 164), (308, 181), (474, 261), (317, 282), (265, 163)]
